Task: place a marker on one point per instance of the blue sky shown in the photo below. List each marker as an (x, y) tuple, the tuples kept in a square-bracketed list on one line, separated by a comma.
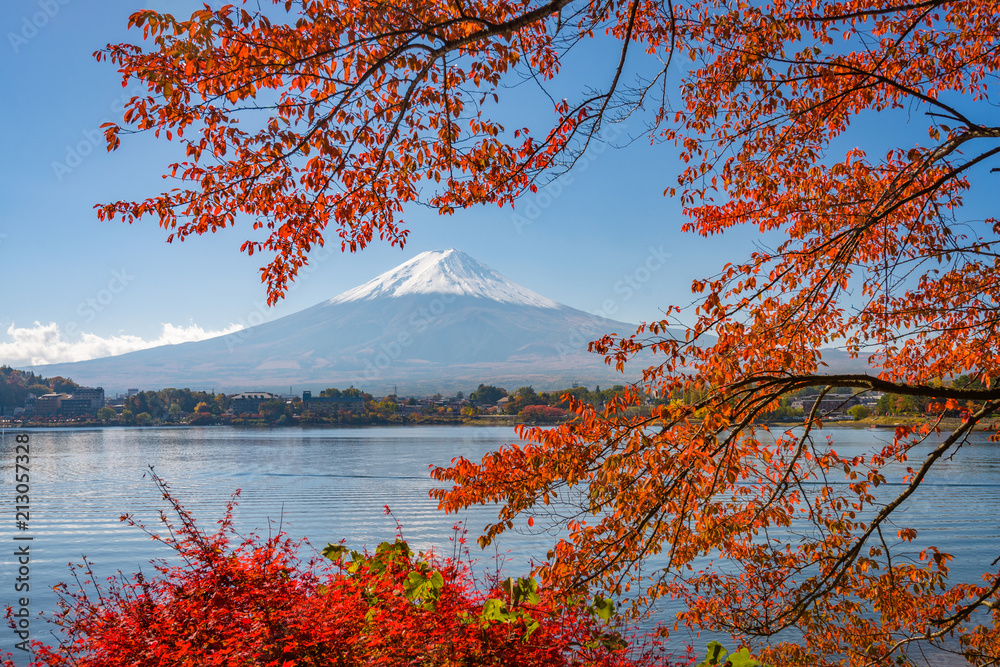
[(97, 287), (75, 287)]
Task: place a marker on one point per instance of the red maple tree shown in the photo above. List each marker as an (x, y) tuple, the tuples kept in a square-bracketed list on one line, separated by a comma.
[(370, 106), (248, 601)]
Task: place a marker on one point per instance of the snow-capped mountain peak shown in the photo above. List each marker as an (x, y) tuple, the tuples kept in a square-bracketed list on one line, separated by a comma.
[(445, 272)]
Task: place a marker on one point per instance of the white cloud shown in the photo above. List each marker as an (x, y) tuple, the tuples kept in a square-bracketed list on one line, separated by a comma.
[(45, 344)]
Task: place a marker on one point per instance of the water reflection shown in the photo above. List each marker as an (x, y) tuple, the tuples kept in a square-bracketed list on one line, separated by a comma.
[(332, 484)]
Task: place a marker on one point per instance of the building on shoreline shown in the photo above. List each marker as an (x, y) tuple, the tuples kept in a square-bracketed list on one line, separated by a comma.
[(83, 401), (249, 401), (830, 405), (46, 405), (331, 403), (94, 395)]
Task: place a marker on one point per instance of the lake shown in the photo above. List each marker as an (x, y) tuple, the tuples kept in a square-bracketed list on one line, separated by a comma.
[(332, 484)]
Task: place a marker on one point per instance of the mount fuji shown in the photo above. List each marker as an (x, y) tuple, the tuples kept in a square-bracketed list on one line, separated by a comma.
[(441, 321)]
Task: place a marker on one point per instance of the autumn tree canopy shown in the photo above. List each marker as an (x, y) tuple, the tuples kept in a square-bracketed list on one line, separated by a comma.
[(352, 110)]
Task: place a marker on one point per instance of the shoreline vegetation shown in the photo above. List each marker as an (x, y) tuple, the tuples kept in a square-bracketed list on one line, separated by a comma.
[(487, 405), (886, 423)]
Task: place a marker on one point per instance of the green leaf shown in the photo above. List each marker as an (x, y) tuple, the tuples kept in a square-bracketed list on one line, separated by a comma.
[(334, 552), (387, 553), (603, 608), (415, 586), (495, 610), (357, 560), (523, 590), (427, 589), (529, 591), (715, 655), (742, 659)]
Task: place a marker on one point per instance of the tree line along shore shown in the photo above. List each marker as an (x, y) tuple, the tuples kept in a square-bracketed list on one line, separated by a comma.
[(485, 405)]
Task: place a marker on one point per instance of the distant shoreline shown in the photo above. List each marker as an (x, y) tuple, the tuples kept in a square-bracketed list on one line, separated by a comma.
[(475, 423), (884, 424)]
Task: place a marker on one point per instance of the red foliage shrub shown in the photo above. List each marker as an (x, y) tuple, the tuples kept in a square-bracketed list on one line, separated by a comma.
[(256, 603), (542, 413)]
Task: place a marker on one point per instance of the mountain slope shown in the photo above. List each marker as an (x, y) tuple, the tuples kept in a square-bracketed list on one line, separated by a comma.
[(440, 322)]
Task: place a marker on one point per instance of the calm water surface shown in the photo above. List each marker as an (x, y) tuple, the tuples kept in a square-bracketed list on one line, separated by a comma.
[(332, 484)]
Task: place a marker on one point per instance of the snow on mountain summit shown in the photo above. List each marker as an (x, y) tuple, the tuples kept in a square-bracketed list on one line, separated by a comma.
[(445, 272)]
